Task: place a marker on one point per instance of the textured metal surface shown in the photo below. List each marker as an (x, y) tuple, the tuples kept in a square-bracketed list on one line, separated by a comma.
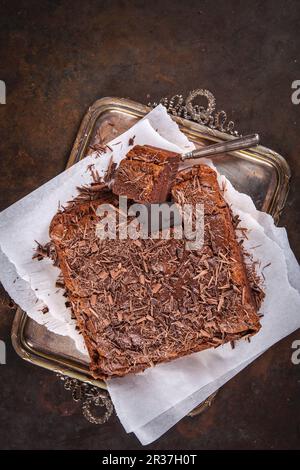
[(56, 59)]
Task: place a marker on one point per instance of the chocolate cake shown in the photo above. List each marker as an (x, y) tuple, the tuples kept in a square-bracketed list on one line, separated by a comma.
[(142, 302), (146, 174)]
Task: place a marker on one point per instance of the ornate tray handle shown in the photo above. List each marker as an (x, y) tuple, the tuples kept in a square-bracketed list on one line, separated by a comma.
[(91, 397), (185, 108)]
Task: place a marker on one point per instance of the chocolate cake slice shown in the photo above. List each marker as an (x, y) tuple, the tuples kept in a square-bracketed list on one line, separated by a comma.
[(146, 174), (142, 302), (228, 285)]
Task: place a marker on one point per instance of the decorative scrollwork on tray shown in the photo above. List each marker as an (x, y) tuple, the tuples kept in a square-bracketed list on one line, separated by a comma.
[(207, 116), (91, 398)]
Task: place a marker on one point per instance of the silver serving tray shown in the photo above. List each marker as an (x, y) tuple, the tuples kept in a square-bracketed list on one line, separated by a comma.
[(261, 173)]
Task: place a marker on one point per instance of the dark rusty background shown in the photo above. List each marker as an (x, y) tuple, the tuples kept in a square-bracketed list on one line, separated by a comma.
[(56, 58)]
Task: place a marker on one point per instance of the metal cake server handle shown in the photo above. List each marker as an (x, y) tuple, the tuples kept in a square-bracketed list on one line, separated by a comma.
[(235, 144)]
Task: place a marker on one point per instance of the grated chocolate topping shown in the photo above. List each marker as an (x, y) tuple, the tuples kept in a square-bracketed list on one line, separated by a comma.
[(145, 301)]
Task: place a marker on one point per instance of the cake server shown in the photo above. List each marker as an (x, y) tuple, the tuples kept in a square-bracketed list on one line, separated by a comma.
[(223, 147), (147, 173)]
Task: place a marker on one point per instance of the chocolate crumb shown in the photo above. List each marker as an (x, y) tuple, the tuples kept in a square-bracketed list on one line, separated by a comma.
[(131, 141)]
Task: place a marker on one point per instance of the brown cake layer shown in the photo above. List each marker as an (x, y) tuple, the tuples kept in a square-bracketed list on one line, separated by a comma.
[(199, 185), (145, 175), (142, 302)]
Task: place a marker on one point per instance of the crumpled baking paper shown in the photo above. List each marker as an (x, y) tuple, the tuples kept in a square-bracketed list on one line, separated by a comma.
[(32, 284), (149, 403), (183, 384)]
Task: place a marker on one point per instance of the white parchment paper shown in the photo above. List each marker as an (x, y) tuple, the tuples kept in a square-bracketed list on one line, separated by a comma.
[(32, 284), (149, 403), (184, 383)]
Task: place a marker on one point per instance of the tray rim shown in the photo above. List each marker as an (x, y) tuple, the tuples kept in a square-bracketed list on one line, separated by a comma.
[(27, 352), (68, 367)]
